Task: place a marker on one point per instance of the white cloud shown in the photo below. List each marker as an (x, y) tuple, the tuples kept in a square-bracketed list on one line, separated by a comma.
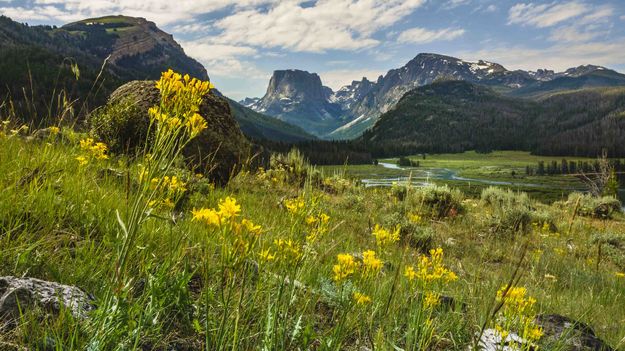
[(450, 4), (326, 25), (338, 78), (491, 8), (591, 26), (574, 34), (423, 36), (163, 12), (622, 18), (224, 60), (545, 15)]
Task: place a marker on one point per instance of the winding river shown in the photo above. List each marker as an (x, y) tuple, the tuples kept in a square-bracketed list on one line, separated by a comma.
[(422, 177)]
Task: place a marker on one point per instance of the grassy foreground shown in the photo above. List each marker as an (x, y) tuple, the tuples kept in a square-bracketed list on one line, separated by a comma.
[(298, 272)]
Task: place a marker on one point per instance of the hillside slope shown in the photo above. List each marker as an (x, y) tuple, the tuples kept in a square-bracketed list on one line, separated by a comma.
[(455, 116)]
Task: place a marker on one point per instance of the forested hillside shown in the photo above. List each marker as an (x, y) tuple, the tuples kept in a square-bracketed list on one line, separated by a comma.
[(456, 116)]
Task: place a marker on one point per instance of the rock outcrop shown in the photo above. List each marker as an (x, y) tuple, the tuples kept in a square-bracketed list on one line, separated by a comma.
[(299, 98), (217, 151), (559, 333), (18, 295)]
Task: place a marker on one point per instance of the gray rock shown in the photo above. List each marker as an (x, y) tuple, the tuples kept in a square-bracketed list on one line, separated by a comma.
[(569, 335), (559, 332), (20, 294)]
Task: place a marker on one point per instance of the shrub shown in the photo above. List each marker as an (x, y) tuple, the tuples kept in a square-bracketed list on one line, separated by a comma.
[(596, 207), (499, 198), (121, 126), (412, 234), (438, 201), (513, 220), (293, 168)]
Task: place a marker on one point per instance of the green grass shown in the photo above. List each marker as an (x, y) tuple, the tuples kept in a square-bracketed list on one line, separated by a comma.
[(58, 222), (495, 166)]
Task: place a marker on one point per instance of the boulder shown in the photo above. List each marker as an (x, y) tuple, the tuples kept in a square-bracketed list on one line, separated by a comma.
[(18, 295), (217, 152), (559, 333), (569, 335)]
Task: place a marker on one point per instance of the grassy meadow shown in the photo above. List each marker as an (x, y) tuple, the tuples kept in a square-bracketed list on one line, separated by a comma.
[(193, 285), (496, 166), (290, 257)]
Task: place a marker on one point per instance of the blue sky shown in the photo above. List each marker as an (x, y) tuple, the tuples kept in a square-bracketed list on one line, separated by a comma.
[(241, 42)]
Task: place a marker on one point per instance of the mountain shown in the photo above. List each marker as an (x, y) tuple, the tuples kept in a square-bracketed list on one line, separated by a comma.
[(581, 77), (351, 94), (87, 60), (299, 98), (134, 45), (455, 116), (131, 48)]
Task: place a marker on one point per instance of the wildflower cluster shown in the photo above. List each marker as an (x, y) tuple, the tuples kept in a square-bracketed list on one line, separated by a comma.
[(92, 151), (361, 299), (168, 191), (317, 226), (181, 97), (385, 237), (370, 263), (517, 313), (228, 210), (295, 206), (345, 267), (237, 237), (430, 269)]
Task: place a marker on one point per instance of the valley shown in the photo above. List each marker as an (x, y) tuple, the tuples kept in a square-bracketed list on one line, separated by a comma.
[(471, 172), (451, 203)]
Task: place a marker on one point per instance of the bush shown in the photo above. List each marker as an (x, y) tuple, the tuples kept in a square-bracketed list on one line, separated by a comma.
[(597, 207), (121, 126), (293, 168), (513, 220), (438, 201), (412, 234), (500, 199)]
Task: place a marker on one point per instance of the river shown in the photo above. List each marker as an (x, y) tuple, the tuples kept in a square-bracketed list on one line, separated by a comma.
[(423, 177)]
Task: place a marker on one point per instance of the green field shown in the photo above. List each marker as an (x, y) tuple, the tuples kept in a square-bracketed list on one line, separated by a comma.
[(496, 166)]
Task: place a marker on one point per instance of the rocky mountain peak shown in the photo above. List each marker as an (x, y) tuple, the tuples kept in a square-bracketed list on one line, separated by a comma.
[(295, 85)]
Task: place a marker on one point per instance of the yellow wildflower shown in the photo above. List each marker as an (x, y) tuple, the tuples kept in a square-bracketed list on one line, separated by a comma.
[(82, 160), (361, 299), (502, 332), (266, 256), (533, 332), (251, 227), (410, 273), (414, 218), (619, 274), (196, 124), (370, 263), (294, 206), (54, 130), (345, 267), (208, 216), (384, 237), (431, 300), (228, 208)]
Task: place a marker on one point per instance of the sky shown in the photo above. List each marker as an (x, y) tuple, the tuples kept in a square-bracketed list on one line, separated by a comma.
[(242, 42)]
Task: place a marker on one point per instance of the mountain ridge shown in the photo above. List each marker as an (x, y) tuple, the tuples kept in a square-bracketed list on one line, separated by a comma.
[(362, 102)]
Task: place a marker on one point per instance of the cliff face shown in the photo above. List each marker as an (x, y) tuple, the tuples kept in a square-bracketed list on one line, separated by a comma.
[(299, 97), (134, 45)]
